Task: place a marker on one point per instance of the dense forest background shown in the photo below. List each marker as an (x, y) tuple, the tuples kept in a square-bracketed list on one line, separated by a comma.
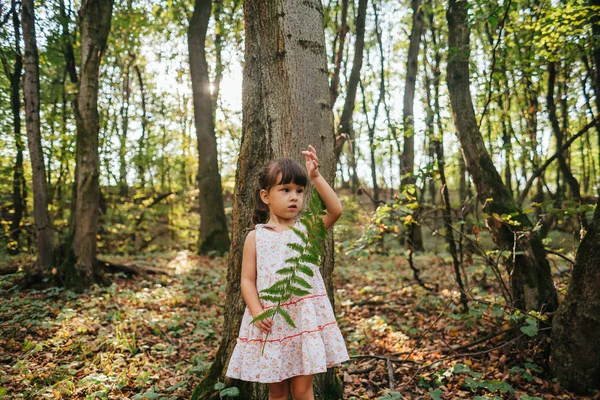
[(463, 138)]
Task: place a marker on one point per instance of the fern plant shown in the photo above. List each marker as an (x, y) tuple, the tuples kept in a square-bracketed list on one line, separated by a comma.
[(309, 252)]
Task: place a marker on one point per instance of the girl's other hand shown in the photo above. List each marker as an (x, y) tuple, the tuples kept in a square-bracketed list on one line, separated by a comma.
[(312, 162)]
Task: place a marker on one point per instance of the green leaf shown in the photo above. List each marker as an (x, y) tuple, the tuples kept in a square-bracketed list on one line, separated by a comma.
[(436, 394), (268, 313), (287, 317), (270, 298), (219, 386), (286, 271), (302, 282), (301, 234), (391, 396), (306, 270), (308, 258), (296, 246), (298, 292), (525, 397), (531, 328), (230, 392)]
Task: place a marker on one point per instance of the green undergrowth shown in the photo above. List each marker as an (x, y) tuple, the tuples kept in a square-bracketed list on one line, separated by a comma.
[(139, 339)]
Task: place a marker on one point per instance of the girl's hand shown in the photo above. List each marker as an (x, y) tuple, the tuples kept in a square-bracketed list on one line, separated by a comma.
[(312, 162), (265, 325)]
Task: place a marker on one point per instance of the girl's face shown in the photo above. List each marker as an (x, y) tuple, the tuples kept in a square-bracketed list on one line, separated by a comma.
[(284, 200)]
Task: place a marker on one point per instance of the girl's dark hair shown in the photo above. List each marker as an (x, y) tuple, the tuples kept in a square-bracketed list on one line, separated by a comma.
[(290, 171)]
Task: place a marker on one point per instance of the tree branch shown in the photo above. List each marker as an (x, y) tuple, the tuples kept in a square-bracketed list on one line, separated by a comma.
[(564, 147)]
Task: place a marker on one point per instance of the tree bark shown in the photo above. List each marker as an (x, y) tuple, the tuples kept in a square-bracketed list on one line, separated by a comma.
[(558, 134), (213, 225), (345, 131), (339, 54), (123, 187), (575, 345), (31, 94), (94, 20), (140, 159), (531, 280), (19, 184), (286, 106), (407, 166)]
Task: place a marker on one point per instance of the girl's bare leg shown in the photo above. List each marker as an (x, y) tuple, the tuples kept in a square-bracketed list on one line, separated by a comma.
[(279, 390), (302, 387)]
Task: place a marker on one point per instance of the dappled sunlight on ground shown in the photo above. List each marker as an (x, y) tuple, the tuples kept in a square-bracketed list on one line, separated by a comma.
[(152, 338)]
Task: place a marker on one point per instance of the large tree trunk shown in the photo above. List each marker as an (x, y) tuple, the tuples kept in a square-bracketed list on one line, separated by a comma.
[(575, 341), (15, 102), (286, 106), (213, 225), (531, 280), (407, 167), (345, 131), (31, 92), (94, 20)]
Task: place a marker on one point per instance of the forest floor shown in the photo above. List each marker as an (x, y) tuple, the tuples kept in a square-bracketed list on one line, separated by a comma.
[(152, 339)]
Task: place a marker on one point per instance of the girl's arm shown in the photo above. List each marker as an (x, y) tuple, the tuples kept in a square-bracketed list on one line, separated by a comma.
[(248, 282), (333, 206)]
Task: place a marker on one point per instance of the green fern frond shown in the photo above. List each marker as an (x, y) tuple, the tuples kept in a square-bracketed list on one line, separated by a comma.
[(296, 246), (273, 299), (305, 269), (302, 282), (286, 271), (287, 317), (309, 253), (268, 313), (298, 232), (299, 292)]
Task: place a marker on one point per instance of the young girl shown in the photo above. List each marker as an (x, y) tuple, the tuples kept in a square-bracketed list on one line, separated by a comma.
[(291, 355)]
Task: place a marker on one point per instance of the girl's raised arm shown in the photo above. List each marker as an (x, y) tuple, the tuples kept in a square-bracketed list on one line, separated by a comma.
[(333, 206)]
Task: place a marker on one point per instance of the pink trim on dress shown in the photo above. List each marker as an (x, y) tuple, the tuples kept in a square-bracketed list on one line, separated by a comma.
[(319, 328)]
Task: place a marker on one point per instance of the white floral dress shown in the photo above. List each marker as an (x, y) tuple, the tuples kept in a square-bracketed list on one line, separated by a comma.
[(313, 346)]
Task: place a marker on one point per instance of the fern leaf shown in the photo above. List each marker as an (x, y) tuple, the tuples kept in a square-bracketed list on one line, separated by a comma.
[(268, 313), (307, 224), (271, 298), (286, 271), (301, 282), (298, 292), (309, 258), (301, 234), (305, 269), (296, 246), (287, 317)]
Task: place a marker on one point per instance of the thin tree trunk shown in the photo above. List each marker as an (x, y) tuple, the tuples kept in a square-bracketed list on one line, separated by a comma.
[(407, 166), (575, 352), (345, 131), (123, 187), (531, 281), (558, 134), (218, 42), (141, 161), (339, 54), (19, 184), (31, 94), (94, 20), (213, 225), (286, 106)]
